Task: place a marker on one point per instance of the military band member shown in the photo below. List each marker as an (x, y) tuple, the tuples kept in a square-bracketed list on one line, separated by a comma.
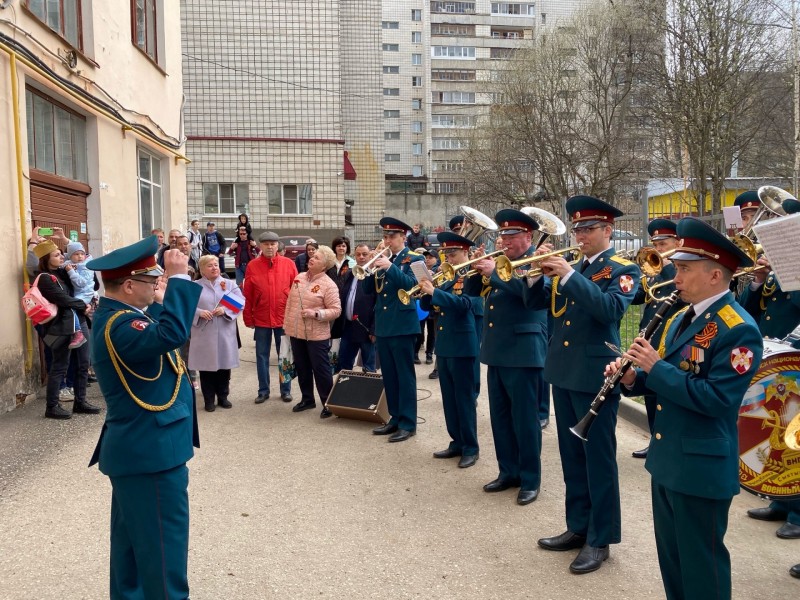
[(710, 354), (396, 329), (748, 204), (587, 305), (456, 350), (664, 238), (777, 313), (513, 345), (151, 423)]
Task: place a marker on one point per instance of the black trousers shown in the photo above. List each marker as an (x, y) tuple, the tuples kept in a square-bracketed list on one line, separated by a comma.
[(430, 339), (215, 385), (313, 365)]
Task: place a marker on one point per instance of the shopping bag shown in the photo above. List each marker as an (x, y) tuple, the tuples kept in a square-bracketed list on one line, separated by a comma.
[(286, 371)]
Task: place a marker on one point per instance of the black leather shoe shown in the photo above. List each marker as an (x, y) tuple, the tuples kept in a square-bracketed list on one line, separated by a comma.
[(795, 571), (91, 379), (589, 559), (325, 414), (434, 374), (428, 360), (527, 496), (788, 531), (401, 435), (224, 403), (286, 397), (640, 453), (467, 461), (57, 413), (565, 541), (301, 406), (448, 453), (85, 408), (767, 513), (498, 485), (210, 407), (544, 423), (385, 429), (417, 361), (261, 398)]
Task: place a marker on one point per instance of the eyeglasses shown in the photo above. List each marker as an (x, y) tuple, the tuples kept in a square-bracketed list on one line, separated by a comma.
[(577, 230), (154, 282)]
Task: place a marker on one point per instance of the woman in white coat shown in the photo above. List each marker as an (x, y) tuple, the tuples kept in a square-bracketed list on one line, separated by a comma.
[(214, 350)]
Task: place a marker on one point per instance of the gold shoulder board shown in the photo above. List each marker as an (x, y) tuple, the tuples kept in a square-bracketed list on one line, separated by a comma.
[(620, 260), (730, 316), (412, 253)]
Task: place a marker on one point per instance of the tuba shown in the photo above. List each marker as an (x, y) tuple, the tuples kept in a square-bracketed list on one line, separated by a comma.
[(549, 224), (475, 224)]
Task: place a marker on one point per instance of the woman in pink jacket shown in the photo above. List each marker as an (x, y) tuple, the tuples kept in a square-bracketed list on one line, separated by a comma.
[(313, 304)]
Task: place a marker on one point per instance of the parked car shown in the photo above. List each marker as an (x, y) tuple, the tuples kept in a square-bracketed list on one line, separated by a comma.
[(432, 242), (295, 244), (626, 241)]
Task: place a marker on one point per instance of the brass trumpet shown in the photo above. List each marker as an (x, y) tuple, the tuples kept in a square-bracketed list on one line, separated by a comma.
[(505, 267), (362, 272), (651, 263), (451, 271), (406, 296)]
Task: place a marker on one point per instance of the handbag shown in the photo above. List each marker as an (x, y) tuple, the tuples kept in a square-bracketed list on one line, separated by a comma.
[(286, 370), (36, 307)]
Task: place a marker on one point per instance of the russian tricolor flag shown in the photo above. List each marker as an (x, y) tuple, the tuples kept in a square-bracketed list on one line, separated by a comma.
[(231, 303)]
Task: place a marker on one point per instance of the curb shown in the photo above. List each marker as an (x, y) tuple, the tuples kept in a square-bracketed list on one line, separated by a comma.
[(634, 413)]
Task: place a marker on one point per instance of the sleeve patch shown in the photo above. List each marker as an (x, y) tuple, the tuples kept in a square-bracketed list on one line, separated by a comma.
[(140, 324), (741, 359)]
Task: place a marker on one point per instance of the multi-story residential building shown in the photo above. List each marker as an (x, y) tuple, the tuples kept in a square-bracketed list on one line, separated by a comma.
[(438, 60), (90, 139), (284, 114)]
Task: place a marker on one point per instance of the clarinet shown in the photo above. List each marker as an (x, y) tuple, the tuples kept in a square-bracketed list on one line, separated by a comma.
[(581, 429)]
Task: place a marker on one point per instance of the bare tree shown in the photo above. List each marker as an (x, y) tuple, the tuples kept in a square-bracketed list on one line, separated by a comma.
[(716, 70), (562, 125)]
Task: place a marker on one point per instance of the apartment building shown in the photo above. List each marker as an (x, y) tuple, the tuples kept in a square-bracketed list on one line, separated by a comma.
[(284, 114), (90, 139)]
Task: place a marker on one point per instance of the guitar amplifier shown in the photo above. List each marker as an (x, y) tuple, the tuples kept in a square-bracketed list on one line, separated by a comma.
[(357, 395)]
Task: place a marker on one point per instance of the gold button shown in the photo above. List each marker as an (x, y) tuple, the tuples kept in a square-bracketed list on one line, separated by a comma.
[(566, 343), (385, 307), (491, 306), (442, 314), (567, 323), (384, 295), (572, 302), (440, 327), (774, 299), (491, 324), (658, 436), (768, 317), (658, 407)]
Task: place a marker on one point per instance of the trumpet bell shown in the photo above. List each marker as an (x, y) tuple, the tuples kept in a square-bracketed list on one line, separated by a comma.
[(475, 224), (649, 261), (772, 198), (548, 223), (506, 268), (746, 245)]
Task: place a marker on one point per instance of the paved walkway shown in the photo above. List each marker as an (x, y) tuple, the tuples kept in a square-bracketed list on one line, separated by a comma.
[(288, 506)]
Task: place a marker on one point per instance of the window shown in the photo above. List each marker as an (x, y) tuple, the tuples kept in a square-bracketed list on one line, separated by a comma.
[(462, 8), (390, 25), (448, 166), (390, 69), (453, 97), (448, 187), (289, 199), (416, 37), (452, 121), (448, 143), (56, 138), (452, 75), (391, 47), (391, 114), (150, 204), (416, 126), (391, 158), (508, 34), (416, 149), (416, 15), (416, 59), (391, 135), (62, 16), (416, 103), (501, 53), (145, 23), (544, 18), (416, 81), (513, 8), (391, 91), (452, 29), (226, 198), (416, 171), (453, 51)]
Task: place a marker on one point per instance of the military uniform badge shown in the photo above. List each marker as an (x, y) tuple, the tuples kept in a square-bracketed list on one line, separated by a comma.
[(741, 359), (626, 283)]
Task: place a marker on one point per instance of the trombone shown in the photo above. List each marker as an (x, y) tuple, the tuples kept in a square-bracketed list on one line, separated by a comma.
[(406, 296), (505, 267), (651, 263), (362, 272)]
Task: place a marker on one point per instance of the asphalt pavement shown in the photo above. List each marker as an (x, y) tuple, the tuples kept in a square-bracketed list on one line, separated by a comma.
[(289, 506)]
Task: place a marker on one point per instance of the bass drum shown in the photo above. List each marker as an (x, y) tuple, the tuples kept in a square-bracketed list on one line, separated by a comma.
[(767, 466)]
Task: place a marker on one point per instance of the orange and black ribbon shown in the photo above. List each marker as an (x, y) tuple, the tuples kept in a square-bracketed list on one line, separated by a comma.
[(604, 273), (703, 339)]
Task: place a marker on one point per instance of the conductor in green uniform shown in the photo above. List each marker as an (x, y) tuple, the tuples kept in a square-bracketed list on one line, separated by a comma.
[(150, 429)]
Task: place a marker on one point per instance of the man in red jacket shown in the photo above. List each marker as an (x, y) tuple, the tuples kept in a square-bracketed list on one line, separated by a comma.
[(266, 288)]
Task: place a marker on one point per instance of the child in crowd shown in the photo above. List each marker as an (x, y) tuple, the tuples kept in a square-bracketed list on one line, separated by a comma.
[(82, 282)]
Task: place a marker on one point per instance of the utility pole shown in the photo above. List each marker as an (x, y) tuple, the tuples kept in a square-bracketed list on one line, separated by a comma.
[(796, 74)]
